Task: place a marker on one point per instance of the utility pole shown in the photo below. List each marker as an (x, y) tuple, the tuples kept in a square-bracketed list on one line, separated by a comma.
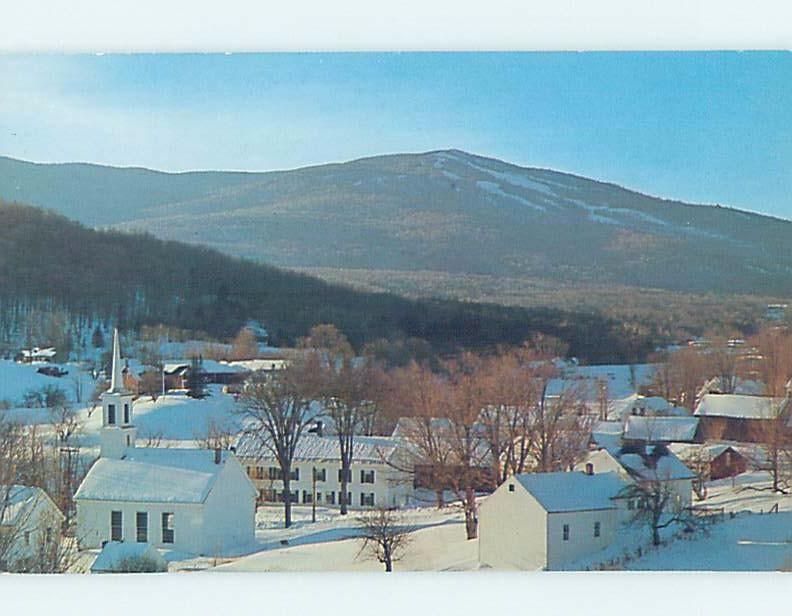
[(313, 494)]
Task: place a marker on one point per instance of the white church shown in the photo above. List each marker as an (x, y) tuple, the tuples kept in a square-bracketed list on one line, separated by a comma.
[(197, 501)]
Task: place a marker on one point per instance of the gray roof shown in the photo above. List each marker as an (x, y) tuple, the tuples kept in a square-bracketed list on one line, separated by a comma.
[(573, 491), (660, 429), (152, 474), (653, 462), (738, 406), (376, 449)]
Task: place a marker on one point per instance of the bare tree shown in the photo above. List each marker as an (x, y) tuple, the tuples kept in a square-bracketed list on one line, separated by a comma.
[(277, 411), (776, 439), (420, 395), (656, 507), (466, 398), (244, 345), (699, 461), (680, 377), (561, 428), (216, 436), (385, 538)]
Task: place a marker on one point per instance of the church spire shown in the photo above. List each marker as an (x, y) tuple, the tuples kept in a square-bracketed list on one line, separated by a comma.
[(117, 377)]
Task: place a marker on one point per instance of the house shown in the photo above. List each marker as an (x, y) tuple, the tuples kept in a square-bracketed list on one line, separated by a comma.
[(177, 373), (29, 521), (37, 354), (125, 557), (722, 460), (375, 480), (197, 501), (643, 429), (645, 463), (734, 417), (548, 520)]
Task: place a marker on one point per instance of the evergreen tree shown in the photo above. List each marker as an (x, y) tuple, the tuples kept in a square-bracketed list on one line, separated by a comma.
[(97, 339), (195, 378)]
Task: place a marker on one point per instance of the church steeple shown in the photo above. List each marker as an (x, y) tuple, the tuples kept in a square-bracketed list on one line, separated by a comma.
[(116, 376), (118, 432)]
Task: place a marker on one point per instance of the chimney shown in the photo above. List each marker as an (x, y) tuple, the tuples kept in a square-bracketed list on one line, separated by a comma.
[(218, 455), (589, 468), (320, 428)]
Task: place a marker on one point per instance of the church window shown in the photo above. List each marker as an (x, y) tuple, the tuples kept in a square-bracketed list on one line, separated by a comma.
[(167, 528), (111, 418), (126, 413), (141, 523), (116, 526)]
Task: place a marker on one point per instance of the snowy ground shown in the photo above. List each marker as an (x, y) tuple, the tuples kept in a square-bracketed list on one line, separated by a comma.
[(438, 543)]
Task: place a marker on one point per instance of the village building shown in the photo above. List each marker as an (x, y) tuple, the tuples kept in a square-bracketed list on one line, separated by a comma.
[(741, 418), (29, 521), (177, 373), (37, 354), (549, 520), (197, 501), (645, 463), (722, 460), (652, 429), (376, 479)]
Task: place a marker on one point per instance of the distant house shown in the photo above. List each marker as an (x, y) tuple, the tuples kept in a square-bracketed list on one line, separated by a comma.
[(29, 520), (645, 463), (177, 373), (775, 312), (548, 520), (374, 481), (197, 501), (732, 417), (651, 430), (722, 459), (37, 354)]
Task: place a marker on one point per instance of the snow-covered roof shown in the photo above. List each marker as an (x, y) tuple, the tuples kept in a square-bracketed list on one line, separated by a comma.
[(738, 406), (254, 365), (660, 429), (208, 365), (653, 462), (36, 352), (607, 434), (710, 450), (372, 449), (114, 552), (17, 501), (573, 491), (151, 474)]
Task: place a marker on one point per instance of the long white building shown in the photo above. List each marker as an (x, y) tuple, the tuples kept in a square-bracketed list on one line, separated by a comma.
[(375, 479)]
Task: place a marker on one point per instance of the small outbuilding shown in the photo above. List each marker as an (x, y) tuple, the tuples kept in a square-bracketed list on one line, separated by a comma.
[(548, 520)]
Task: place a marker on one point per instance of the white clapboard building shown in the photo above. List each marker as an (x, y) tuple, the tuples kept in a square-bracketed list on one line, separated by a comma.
[(549, 520), (197, 501), (375, 479)]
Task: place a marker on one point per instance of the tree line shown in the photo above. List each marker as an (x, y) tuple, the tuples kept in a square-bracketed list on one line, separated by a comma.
[(50, 264)]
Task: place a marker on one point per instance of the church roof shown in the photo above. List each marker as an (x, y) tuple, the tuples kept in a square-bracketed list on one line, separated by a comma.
[(153, 474)]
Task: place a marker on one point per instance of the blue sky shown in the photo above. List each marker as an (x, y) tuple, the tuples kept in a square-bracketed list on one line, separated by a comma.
[(702, 127)]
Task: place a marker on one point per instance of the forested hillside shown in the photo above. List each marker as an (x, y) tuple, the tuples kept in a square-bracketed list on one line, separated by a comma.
[(50, 263)]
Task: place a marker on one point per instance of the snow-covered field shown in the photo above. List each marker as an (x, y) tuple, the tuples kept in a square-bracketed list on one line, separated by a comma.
[(438, 543)]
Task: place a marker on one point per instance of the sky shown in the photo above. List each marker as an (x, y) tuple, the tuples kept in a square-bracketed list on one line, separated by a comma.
[(701, 127)]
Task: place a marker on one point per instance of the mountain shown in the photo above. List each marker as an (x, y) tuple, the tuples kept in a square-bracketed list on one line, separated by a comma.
[(446, 212), (51, 265)]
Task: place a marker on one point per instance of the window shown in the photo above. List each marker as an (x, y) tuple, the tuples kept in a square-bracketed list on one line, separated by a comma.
[(348, 498), (566, 532), (341, 475), (330, 499), (141, 524), (259, 472), (596, 529), (511, 487), (111, 414), (48, 535), (320, 474), (27, 537), (366, 476), (367, 499), (249, 471), (126, 413), (116, 526), (167, 528), (275, 473), (295, 496), (295, 474), (129, 441), (630, 504), (307, 497), (318, 497)]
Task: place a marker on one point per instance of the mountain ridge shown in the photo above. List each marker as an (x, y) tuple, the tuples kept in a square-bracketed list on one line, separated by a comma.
[(442, 210)]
